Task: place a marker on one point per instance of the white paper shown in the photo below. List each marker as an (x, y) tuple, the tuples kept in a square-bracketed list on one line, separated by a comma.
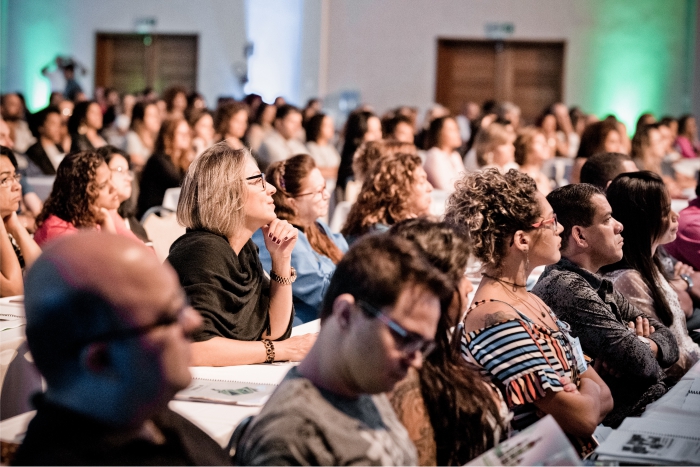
[(543, 443)]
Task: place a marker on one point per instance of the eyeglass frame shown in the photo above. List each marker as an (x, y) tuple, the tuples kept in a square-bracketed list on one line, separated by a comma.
[(261, 176), (17, 177), (407, 340), (138, 331), (544, 222), (320, 192), (121, 171)]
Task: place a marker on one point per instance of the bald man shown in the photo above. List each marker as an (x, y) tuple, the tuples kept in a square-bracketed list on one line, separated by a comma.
[(108, 327)]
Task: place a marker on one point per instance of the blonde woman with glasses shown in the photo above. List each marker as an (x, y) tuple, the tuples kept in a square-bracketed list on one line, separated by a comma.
[(247, 316)]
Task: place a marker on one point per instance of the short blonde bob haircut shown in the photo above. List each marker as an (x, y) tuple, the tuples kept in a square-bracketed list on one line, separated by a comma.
[(214, 192)]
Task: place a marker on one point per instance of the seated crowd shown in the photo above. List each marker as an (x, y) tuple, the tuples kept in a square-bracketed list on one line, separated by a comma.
[(411, 365)]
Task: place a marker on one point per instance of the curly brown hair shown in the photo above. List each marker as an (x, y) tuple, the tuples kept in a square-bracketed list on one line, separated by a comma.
[(369, 153), (493, 206), (384, 195), (74, 191)]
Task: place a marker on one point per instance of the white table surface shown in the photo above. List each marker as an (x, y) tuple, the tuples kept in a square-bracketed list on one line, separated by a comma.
[(217, 420)]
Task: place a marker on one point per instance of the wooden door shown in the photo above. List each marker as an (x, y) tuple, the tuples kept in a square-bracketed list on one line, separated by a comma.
[(529, 74), (131, 62)]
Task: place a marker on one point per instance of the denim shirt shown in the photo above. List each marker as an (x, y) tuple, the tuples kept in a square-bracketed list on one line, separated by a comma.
[(314, 272)]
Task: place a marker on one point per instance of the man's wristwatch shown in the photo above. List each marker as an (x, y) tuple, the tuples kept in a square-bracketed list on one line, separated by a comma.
[(688, 280), (284, 280)]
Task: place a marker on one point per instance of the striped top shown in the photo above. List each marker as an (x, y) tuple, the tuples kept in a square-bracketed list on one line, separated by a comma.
[(522, 358)]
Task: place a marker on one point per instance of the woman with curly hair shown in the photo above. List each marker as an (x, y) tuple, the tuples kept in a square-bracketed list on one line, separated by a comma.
[(81, 198), (166, 168), (396, 189), (452, 415), (302, 199), (365, 158), (531, 357)]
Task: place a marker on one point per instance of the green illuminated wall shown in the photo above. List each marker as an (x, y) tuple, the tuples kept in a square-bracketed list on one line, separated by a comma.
[(633, 57)]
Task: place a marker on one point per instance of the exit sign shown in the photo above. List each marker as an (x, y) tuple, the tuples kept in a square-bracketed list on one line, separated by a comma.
[(499, 30)]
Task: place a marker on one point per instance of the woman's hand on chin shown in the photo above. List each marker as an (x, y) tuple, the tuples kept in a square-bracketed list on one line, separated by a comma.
[(104, 220), (280, 238)]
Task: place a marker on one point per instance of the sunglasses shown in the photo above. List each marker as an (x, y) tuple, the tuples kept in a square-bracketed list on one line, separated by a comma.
[(406, 341)]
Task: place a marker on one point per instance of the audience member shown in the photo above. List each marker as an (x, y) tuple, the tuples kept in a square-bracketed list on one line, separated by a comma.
[(301, 198), (166, 168), (531, 152), (641, 202), (224, 200), (400, 128), (320, 132), (686, 246), (600, 169), (260, 126), (598, 137), (451, 413), (515, 230), (369, 153), (231, 124), (17, 248), (397, 188), (631, 349), (13, 111), (362, 126), (556, 128), (648, 152), (47, 153), (443, 164), (81, 198), (84, 126), (175, 98), (144, 128), (124, 218), (687, 140), (281, 143), (112, 346), (493, 148), (202, 123), (379, 319), (509, 112)]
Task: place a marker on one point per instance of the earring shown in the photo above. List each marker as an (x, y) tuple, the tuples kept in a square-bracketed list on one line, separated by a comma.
[(527, 263)]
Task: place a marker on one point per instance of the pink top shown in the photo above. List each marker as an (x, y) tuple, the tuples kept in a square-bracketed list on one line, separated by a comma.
[(121, 227), (685, 147), (443, 169), (53, 227)]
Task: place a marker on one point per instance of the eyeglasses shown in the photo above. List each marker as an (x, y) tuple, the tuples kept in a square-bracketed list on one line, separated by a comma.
[(407, 341), (319, 192), (261, 176), (130, 333), (123, 171), (547, 222), (7, 181)]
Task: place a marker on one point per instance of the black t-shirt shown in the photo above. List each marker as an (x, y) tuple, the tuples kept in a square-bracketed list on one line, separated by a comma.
[(230, 291), (159, 174), (58, 436)]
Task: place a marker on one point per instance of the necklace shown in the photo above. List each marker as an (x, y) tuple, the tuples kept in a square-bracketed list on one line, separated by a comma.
[(513, 284)]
